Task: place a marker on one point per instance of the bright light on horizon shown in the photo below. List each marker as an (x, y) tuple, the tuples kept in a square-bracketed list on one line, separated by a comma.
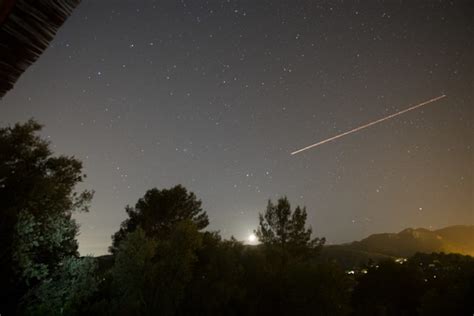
[(252, 238)]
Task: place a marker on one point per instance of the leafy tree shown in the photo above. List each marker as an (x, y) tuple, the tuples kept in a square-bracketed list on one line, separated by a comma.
[(158, 212), (279, 226), (41, 244), (66, 290), (151, 275), (131, 271), (218, 286), (37, 194)]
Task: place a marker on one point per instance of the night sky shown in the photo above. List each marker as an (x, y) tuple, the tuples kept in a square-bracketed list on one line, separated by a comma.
[(216, 94)]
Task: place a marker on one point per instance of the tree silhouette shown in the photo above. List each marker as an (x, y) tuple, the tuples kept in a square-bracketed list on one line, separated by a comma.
[(158, 212), (279, 226)]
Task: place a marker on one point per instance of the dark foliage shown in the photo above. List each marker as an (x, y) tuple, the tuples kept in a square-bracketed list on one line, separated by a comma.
[(37, 200), (449, 283), (427, 284), (159, 211), (388, 289), (164, 263), (280, 227)]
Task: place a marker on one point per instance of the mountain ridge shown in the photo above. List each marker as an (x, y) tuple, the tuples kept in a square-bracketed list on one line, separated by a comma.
[(407, 242)]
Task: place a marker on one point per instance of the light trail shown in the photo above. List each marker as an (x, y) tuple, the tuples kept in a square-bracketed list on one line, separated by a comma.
[(368, 125)]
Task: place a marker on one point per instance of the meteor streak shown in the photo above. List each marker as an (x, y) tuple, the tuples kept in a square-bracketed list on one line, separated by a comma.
[(368, 124)]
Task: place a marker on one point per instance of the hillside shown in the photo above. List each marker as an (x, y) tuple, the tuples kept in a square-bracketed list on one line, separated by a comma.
[(376, 247)]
